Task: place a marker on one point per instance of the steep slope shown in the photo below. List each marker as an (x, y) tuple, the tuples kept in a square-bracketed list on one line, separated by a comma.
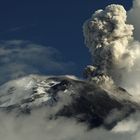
[(85, 101)]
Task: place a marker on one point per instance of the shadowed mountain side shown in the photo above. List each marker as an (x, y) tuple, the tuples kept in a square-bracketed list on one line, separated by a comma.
[(84, 101)]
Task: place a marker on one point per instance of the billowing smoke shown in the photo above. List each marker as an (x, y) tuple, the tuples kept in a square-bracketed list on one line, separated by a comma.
[(109, 39)]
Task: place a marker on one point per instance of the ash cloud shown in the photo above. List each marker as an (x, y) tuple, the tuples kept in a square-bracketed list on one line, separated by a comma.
[(108, 38), (115, 52)]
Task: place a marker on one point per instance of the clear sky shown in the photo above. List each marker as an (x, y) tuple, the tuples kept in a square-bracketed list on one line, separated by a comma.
[(55, 23)]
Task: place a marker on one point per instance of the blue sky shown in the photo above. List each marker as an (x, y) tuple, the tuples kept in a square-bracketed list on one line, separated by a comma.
[(53, 23)]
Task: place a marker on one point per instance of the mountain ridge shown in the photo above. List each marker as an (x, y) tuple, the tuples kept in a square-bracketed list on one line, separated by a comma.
[(82, 100)]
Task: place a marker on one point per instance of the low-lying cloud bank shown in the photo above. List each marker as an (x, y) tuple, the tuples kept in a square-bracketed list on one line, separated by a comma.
[(38, 127)]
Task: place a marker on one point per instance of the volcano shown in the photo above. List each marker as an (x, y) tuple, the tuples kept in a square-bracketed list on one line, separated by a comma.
[(87, 102)]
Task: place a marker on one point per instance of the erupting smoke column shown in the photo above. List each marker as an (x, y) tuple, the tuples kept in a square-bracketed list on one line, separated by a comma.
[(109, 40)]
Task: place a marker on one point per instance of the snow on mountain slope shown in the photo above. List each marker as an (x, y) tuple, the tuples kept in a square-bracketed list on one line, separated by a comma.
[(85, 101), (32, 90)]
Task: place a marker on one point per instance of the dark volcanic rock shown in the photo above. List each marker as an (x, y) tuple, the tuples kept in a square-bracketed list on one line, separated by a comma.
[(86, 102)]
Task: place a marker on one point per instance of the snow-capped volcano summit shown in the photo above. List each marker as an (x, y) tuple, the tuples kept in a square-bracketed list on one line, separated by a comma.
[(82, 100), (31, 91)]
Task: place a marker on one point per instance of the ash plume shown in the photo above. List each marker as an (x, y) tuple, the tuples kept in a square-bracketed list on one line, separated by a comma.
[(111, 44)]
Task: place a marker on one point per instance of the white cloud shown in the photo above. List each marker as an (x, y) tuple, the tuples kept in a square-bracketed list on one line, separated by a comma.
[(18, 58), (38, 127), (131, 79), (133, 18)]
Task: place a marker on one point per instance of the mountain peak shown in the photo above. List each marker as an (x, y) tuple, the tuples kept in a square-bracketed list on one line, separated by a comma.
[(86, 101)]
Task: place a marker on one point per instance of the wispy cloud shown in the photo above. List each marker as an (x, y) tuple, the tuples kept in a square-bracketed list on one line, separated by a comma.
[(19, 58), (19, 28)]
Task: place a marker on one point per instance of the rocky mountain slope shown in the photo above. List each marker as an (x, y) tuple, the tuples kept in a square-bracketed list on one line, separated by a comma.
[(85, 101)]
